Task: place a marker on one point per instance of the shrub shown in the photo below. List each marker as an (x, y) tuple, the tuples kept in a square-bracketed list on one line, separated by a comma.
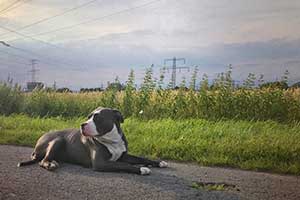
[(11, 99)]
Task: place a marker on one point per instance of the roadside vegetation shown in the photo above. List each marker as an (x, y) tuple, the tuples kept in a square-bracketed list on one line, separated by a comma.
[(254, 125), (221, 99)]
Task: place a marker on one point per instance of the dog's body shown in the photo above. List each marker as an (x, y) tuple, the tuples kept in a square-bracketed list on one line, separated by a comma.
[(99, 144)]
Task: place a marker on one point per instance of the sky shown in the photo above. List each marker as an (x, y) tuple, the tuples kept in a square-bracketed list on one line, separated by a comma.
[(87, 43)]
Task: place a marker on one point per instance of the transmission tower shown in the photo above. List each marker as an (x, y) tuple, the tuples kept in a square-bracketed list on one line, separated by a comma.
[(174, 68), (33, 70)]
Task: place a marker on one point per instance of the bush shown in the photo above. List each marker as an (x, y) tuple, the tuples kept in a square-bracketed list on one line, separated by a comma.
[(11, 99)]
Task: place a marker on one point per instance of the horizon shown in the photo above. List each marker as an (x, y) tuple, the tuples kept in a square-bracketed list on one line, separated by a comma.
[(165, 83)]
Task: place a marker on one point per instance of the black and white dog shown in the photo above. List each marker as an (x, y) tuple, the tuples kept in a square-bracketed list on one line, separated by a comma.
[(100, 144)]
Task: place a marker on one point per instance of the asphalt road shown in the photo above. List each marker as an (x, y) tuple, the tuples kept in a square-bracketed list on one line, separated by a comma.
[(175, 182)]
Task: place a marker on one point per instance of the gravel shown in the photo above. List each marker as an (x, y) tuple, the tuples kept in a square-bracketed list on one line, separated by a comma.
[(176, 182)]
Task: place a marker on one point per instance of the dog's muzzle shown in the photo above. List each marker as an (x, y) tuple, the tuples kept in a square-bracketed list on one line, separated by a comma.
[(83, 129)]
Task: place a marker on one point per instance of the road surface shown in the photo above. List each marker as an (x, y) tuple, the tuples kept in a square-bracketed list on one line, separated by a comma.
[(179, 181)]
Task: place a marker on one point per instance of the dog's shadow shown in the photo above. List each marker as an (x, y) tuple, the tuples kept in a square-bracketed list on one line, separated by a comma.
[(162, 179)]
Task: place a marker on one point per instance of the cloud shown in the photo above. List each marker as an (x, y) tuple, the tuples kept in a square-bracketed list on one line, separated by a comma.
[(255, 36), (275, 49)]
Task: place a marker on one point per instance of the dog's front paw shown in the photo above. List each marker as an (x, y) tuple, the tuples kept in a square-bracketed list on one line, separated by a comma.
[(49, 165), (145, 171), (163, 164), (54, 165)]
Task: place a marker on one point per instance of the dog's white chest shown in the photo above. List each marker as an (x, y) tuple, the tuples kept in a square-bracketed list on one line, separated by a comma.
[(114, 143)]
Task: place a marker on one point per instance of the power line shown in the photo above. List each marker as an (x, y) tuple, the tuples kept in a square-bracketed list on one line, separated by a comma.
[(98, 18), (12, 8), (9, 6), (16, 63), (49, 63), (13, 62), (68, 27), (29, 37), (54, 16), (38, 56), (32, 38), (11, 54)]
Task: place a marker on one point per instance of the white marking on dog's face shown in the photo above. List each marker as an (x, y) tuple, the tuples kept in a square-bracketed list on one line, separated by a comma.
[(90, 128)]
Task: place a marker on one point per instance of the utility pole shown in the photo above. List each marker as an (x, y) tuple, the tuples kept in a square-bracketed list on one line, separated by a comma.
[(174, 68), (33, 70)]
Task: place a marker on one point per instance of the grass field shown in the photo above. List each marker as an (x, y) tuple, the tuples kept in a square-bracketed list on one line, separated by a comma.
[(268, 145)]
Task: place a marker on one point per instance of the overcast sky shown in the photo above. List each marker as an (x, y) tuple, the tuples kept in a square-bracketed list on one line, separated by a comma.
[(90, 45)]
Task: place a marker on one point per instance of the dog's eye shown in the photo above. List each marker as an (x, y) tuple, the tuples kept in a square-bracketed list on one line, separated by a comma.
[(97, 117)]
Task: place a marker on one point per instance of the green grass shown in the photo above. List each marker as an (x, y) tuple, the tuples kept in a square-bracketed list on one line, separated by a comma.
[(221, 103), (251, 145), (23, 130), (210, 186)]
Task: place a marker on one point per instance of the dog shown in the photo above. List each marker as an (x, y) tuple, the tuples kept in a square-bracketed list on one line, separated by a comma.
[(99, 144)]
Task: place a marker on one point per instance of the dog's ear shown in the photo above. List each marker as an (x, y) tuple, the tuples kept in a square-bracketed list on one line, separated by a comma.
[(118, 116)]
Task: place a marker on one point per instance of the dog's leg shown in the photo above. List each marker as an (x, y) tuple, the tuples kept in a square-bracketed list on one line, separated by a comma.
[(99, 163), (114, 166), (53, 149), (135, 160)]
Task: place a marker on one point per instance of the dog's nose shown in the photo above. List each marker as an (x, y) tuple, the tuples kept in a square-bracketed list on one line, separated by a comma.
[(83, 125)]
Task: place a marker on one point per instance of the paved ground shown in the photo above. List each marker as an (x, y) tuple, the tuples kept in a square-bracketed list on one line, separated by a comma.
[(75, 182)]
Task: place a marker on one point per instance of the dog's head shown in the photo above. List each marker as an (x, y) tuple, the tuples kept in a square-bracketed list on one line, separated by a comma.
[(101, 121)]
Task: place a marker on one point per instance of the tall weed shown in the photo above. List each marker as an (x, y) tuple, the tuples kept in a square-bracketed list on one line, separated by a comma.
[(220, 100)]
